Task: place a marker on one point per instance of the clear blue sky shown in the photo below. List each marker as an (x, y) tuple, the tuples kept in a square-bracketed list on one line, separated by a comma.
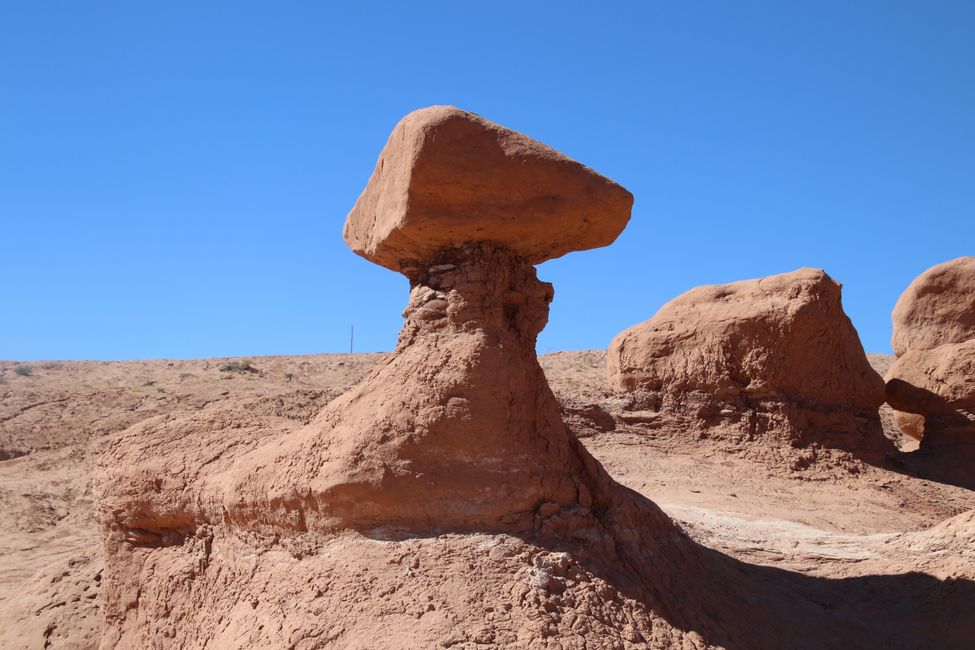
[(174, 176)]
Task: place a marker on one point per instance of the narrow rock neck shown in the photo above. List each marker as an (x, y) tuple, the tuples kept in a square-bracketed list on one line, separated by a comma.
[(476, 287)]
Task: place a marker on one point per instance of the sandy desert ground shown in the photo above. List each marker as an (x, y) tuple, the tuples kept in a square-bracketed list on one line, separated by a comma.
[(877, 527)]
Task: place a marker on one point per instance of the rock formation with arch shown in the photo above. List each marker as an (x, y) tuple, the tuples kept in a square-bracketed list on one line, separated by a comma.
[(931, 386)]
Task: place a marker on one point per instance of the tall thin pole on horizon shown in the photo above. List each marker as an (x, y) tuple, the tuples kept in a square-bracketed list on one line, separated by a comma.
[(351, 337)]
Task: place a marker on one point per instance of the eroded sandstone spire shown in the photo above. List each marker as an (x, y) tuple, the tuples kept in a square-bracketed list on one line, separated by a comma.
[(458, 429)]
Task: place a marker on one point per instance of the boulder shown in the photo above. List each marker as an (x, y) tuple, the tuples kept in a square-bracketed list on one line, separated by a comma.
[(776, 355), (447, 177), (937, 307)]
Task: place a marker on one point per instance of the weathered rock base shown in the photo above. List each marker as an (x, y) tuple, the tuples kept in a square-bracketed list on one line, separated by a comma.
[(794, 433)]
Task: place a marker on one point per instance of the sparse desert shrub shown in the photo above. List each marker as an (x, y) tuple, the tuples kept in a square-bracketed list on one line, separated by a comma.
[(148, 382), (24, 370), (289, 376), (245, 365)]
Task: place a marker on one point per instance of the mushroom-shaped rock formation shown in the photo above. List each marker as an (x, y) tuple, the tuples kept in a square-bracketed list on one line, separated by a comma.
[(937, 307), (776, 356), (458, 429), (931, 386), (233, 529)]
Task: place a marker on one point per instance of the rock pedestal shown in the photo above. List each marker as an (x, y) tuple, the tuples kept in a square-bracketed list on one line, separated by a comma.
[(458, 430)]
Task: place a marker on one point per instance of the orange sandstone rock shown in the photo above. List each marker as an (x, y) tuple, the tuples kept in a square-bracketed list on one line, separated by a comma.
[(937, 307), (931, 386), (933, 394), (447, 177), (457, 430), (441, 502), (776, 354)]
